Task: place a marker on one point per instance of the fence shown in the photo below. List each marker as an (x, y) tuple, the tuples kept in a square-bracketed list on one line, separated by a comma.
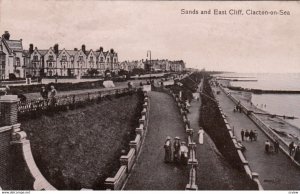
[(67, 100)]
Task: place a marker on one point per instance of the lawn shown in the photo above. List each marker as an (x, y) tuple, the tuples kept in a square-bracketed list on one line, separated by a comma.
[(81, 148)]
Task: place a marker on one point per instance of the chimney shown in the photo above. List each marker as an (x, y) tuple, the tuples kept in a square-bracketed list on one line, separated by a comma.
[(101, 49), (112, 51), (75, 49), (56, 48), (83, 48), (31, 48)]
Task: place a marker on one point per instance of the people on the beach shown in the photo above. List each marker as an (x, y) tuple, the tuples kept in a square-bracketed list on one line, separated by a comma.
[(267, 146), (291, 148), (168, 150), (242, 134)]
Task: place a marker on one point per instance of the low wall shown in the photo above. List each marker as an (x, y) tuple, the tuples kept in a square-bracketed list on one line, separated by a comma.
[(192, 161), (26, 175), (250, 173), (127, 161), (264, 127)]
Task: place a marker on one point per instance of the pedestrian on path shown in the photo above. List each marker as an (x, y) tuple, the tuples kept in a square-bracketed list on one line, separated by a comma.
[(251, 135), (276, 146), (200, 135), (267, 146), (176, 147), (242, 134), (247, 135), (297, 154), (168, 150), (291, 148)]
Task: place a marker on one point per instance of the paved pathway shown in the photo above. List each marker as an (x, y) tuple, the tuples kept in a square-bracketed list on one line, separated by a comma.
[(276, 171), (150, 171), (213, 172)]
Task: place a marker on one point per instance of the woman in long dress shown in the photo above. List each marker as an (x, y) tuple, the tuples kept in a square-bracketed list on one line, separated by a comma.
[(168, 149)]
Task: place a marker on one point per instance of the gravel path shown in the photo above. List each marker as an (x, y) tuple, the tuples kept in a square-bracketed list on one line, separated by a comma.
[(150, 172)]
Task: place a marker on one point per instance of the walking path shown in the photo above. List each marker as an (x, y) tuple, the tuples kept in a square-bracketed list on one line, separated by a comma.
[(213, 172), (276, 171), (150, 171)]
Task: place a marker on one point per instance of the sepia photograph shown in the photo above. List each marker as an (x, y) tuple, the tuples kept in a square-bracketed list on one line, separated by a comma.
[(149, 96)]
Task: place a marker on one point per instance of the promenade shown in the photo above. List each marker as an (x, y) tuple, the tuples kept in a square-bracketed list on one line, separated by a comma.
[(150, 171), (276, 171)]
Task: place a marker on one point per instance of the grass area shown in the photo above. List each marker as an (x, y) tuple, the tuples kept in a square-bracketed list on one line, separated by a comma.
[(214, 125), (81, 148)]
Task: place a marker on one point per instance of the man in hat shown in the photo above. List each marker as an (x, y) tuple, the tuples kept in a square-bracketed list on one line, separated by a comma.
[(176, 146), (168, 150)]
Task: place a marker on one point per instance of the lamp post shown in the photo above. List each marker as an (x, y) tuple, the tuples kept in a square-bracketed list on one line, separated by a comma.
[(149, 52)]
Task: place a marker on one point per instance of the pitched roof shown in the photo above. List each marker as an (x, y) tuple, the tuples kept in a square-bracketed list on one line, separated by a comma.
[(72, 52), (15, 45), (42, 52)]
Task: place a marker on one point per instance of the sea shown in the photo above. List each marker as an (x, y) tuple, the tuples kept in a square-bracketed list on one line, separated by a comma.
[(280, 104)]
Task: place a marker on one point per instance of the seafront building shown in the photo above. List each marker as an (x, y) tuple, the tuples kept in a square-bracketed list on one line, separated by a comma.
[(17, 62)]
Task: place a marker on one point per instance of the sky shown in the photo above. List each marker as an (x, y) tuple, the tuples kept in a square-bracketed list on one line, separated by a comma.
[(236, 43)]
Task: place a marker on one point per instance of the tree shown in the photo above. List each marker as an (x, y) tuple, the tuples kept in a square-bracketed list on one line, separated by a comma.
[(123, 72), (92, 72), (138, 71)]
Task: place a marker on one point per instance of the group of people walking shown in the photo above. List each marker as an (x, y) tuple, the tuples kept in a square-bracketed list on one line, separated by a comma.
[(271, 148), (180, 153), (52, 98), (294, 151), (247, 135)]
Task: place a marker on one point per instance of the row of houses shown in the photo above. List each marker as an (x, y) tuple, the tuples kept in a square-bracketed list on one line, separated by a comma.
[(161, 65), (16, 60)]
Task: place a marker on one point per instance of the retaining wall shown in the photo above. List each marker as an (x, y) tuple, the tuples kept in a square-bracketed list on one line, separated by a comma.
[(17, 167), (127, 161)]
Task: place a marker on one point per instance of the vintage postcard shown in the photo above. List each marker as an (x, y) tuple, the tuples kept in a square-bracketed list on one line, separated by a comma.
[(149, 95)]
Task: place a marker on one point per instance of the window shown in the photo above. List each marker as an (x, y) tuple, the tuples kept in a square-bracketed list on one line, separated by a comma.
[(50, 64), (35, 58), (18, 62), (91, 58), (50, 58), (80, 58), (101, 59), (64, 58), (2, 60)]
